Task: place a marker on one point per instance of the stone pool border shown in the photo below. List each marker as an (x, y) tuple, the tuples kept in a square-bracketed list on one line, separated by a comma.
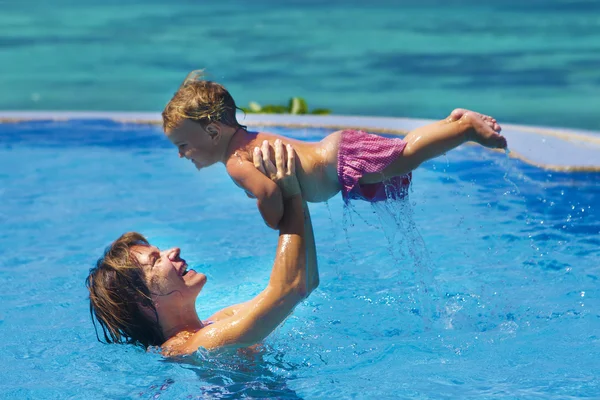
[(556, 149)]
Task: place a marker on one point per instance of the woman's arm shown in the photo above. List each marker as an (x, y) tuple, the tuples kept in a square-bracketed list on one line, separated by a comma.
[(312, 270), (312, 267), (263, 164), (288, 284)]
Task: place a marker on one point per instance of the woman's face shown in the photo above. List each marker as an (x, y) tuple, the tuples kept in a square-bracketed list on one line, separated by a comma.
[(166, 274)]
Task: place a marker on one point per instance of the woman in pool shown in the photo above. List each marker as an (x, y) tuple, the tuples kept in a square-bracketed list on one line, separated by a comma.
[(144, 296), (200, 121)]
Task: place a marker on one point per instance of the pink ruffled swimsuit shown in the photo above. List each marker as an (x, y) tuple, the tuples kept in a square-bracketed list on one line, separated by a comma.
[(361, 153)]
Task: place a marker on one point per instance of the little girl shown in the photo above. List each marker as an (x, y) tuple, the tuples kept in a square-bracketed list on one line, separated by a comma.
[(200, 120)]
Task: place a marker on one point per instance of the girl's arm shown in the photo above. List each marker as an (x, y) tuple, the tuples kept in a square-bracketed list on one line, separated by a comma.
[(267, 193)]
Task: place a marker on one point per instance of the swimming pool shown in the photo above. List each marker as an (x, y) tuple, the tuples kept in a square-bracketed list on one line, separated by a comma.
[(489, 290)]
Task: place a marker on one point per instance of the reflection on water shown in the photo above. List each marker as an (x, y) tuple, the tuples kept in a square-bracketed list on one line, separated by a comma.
[(261, 372)]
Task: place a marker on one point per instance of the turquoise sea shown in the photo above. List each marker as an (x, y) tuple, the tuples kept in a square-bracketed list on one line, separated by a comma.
[(528, 61)]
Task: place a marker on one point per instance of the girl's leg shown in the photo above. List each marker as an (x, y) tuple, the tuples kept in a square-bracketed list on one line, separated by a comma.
[(453, 117), (433, 140)]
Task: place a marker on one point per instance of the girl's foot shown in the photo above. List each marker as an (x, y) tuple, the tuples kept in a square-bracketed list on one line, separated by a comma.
[(460, 112)]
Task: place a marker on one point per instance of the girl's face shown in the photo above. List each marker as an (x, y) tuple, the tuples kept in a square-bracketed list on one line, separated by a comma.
[(197, 144)]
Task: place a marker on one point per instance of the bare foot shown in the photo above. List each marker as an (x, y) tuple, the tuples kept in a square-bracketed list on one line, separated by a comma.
[(481, 131), (491, 121)]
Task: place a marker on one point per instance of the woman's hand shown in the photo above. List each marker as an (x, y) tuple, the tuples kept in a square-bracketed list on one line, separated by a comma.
[(283, 172)]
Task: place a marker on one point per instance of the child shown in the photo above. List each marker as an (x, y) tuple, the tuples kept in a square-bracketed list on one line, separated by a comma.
[(200, 120)]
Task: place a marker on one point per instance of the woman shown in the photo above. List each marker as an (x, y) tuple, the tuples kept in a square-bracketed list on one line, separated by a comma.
[(144, 296)]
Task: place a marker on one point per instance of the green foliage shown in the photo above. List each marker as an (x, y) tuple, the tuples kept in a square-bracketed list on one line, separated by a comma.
[(296, 106)]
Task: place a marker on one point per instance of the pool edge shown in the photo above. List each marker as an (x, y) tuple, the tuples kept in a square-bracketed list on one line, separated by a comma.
[(555, 149)]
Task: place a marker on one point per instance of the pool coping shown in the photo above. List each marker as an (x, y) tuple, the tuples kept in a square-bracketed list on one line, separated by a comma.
[(556, 149)]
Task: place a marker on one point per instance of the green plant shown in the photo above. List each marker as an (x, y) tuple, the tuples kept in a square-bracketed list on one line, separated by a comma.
[(296, 105)]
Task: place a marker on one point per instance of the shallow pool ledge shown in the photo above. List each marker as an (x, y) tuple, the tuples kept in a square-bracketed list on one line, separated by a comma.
[(559, 149)]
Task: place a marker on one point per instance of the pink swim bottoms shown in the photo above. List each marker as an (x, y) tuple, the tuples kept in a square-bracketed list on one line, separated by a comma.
[(362, 153)]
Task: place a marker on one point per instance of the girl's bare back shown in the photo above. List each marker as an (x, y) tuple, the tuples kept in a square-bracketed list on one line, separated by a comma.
[(316, 163)]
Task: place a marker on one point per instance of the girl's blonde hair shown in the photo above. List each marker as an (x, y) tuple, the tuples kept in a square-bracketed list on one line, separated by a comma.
[(200, 100)]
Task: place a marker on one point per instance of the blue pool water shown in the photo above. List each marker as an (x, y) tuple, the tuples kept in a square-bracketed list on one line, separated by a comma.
[(529, 62), (489, 290)]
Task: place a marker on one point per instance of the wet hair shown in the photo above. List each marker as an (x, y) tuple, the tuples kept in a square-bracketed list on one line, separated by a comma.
[(202, 101), (120, 300)]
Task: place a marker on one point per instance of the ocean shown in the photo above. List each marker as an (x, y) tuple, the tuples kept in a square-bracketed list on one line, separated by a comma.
[(534, 62)]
